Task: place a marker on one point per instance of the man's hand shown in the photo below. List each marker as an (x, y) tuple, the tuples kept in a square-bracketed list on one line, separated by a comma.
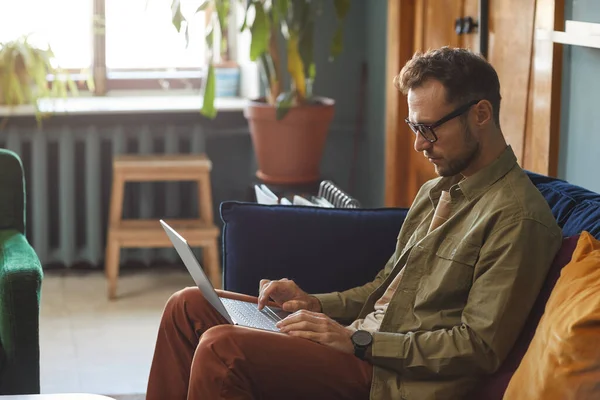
[(318, 328), (287, 295)]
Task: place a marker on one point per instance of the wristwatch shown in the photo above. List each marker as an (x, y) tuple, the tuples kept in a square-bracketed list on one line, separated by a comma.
[(361, 341)]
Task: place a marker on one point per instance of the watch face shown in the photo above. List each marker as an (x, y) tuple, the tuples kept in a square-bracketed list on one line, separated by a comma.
[(362, 338)]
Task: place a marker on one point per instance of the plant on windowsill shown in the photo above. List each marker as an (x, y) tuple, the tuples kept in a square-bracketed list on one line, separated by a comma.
[(289, 125), (25, 71)]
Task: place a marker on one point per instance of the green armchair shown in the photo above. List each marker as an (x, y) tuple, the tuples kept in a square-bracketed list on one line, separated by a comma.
[(20, 286)]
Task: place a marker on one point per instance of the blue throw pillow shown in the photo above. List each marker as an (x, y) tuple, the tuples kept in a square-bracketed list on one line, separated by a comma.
[(575, 208), (322, 249)]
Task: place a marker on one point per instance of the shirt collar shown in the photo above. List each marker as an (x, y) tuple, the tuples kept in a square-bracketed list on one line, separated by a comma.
[(477, 183)]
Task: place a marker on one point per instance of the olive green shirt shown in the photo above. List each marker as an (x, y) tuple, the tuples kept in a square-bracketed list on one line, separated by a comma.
[(467, 288)]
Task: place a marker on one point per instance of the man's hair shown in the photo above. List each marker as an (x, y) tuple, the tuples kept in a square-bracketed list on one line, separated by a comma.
[(465, 75)]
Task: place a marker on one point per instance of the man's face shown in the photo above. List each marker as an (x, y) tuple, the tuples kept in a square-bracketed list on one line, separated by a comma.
[(456, 146)]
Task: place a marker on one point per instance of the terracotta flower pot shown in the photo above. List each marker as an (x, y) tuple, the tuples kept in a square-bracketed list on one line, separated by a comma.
[(289, 151)]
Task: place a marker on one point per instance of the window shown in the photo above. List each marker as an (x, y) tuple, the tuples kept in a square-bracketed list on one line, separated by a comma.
[(136, 45), (140, 35), (68, 33)]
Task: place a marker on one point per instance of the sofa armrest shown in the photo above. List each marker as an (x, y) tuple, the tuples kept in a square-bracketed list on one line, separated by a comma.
[(321, 249), (20, 288)]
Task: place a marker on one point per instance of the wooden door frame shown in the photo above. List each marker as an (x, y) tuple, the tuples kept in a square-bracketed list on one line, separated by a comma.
[(542, 134), (400, 48)]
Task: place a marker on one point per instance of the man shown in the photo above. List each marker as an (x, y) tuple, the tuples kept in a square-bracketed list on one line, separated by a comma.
[(470, 260)]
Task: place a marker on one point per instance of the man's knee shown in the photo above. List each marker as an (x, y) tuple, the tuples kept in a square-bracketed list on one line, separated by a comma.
[(223, 341), (180, 301), (219, 337), (214, 346)]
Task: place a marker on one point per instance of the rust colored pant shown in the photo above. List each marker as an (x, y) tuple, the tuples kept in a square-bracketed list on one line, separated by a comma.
[(199, 355)]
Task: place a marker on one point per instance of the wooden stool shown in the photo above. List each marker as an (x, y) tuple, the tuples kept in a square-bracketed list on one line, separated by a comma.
[(149, 233)]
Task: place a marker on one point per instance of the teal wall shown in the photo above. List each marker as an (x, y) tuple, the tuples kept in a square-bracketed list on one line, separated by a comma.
[(340, 80), (372, 179), (364, 48), (580, 123)]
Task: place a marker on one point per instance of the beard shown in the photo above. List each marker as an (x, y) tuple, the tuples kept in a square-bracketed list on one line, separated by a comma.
[(456, 166)]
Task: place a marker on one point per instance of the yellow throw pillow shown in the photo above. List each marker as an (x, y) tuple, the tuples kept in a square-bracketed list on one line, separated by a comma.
[(563, 359)]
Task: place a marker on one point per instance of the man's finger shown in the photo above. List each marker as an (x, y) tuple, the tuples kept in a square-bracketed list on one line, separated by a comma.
[(262, 283), (262, 300), (261, 286), (304, 326), (294, 305), (265, 294), (302, 315)]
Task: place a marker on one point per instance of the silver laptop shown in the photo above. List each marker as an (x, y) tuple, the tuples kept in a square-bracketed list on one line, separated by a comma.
[(234, 311)]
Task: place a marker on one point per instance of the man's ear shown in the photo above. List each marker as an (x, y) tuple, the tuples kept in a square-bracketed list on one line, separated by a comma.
[(484, 113)]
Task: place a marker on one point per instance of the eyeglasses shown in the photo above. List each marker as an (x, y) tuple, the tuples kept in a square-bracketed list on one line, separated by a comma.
[(427, 131)]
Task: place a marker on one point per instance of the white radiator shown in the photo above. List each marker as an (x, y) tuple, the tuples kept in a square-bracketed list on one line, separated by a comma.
[(68, 171)]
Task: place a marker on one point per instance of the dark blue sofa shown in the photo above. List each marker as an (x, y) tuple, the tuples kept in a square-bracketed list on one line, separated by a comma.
[(346, 248)]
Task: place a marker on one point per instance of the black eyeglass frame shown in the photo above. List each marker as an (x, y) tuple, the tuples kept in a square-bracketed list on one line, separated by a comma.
[(427, 130)]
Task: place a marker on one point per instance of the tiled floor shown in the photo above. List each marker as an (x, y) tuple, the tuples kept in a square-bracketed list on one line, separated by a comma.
[(90, 344)]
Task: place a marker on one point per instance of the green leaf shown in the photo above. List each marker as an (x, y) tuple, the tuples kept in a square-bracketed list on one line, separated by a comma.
[(72, 86), (306, 46), (296, 67), (61, 90), (18, 91), (186, 34), (203, 6), (283, 104), (176, 15), (89, 80), (260, 32), (208, 95), (209, 37), (265, 72), (337, 44), (312, 71), (222, 7), (280, 10), (342, 7)]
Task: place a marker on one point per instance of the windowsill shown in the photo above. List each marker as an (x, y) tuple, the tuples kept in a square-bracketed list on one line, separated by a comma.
[(125, 103)]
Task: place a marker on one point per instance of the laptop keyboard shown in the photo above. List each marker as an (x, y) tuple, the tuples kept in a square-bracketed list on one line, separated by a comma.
[(248, 314)]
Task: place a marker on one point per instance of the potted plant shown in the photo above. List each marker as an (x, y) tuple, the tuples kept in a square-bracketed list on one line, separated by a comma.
[(29, 73), (290, 124)]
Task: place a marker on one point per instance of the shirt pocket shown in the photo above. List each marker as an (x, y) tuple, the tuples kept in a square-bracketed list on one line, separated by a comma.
[(454, 263), (459, 251)]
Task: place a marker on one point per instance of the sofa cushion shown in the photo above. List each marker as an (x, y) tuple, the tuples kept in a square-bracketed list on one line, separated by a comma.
[(576, 209), (563, 359), (322, 249), (494, 386)]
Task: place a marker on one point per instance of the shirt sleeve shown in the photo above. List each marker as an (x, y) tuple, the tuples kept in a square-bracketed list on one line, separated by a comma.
[(511, 269)]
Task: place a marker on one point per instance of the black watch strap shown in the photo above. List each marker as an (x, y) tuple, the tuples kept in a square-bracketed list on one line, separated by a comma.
[(361, 340), (360, 351)]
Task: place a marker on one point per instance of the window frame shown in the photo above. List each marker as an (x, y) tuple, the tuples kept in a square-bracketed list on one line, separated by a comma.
[(133, 79)]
